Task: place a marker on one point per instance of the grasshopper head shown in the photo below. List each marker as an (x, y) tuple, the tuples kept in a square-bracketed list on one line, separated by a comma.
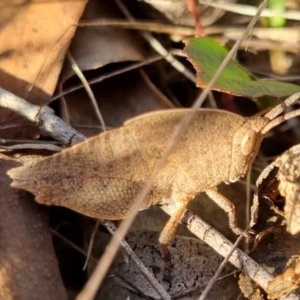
[(245, 146)]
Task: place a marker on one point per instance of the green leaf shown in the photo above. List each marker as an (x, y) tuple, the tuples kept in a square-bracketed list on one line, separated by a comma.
[(206, 55)]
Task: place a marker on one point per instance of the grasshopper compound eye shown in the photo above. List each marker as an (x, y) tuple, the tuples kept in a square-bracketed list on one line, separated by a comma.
[(248, 143)]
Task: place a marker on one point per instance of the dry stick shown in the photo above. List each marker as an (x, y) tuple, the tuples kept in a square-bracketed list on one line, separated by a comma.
[(140, 25), (33, 142), (152, 280), (41, 146), (48, 123), (87, 88), (90, 289), (281, 34)]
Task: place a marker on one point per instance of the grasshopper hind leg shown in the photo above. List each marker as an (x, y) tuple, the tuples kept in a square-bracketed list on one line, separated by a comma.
[(168, 233)]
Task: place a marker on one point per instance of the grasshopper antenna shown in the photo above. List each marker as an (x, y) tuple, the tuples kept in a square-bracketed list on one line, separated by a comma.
[(277, 110)]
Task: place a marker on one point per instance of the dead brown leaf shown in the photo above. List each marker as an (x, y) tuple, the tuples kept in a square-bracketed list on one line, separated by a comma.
[(95, 47), (35, 36), (289, 186), (287, 282), (28, 266)]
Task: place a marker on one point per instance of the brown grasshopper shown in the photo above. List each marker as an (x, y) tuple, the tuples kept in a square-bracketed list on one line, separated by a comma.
[(102, 177)]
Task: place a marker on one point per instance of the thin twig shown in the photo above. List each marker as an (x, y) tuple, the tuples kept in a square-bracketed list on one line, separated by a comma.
[(139, 25), (91, 243), (68, 242), (43, 116), (88, 89)]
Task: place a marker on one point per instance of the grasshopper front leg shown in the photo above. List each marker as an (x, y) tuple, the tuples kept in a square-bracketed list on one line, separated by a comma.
[(229, 208)]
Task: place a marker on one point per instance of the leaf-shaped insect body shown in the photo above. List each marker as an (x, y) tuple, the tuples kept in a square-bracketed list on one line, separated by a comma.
[(102, 176)]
